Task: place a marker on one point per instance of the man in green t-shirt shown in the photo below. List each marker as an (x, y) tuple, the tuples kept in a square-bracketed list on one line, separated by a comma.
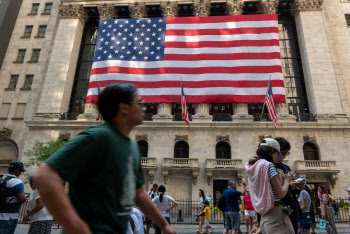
[(103, 168)]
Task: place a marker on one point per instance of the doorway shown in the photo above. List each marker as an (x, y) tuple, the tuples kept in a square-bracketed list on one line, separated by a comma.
[(219, 187)]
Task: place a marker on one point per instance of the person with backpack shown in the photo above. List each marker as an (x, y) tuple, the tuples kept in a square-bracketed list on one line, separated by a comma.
[(152, 194), (326, 210), (12, 196)]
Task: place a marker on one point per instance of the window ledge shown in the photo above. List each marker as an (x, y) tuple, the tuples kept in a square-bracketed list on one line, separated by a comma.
[(32, 61), (18, 62), (32, 14), (25, 37), (45, 13), (14, 118), (25, 89), (3, 118), (39, 37), (10, 89)]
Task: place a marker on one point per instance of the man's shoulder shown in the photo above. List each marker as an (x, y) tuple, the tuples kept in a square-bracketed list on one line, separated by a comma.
[(13, 181)]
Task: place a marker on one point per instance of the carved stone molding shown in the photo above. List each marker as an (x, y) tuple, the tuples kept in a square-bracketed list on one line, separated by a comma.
[(6, 132), (64, 136), (306, 5), (137, 10), (201, 8), (73, 12), (52, 117), (166, 176), (169, 9), (181, 137), (223, 138), (268, 6), (309, 138), (107, 11), (325, 116), (195, 175), (234, 7), (151, 174), (209, 176), (87, 117), (143, 137), (261, 137)]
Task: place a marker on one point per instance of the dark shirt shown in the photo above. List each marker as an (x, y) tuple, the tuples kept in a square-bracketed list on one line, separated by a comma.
[(231, 199)]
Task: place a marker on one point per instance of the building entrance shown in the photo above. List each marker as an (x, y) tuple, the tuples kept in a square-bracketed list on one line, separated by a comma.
[(219, 187)]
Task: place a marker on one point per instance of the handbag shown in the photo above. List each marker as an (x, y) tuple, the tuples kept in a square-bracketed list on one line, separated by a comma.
[(323, 224)]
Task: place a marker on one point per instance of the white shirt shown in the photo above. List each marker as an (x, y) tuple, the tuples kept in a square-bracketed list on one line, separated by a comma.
[(136, 215), (152, 194), (164, 205), (42, 214)]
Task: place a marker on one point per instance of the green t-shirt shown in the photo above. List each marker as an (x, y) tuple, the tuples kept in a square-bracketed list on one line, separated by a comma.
[(103, 168)]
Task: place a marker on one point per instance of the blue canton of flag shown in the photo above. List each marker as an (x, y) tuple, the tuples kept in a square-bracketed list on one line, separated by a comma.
[(131, 39)]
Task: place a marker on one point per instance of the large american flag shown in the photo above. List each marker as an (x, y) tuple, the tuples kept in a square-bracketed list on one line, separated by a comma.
[(222, 59), (271, 105)]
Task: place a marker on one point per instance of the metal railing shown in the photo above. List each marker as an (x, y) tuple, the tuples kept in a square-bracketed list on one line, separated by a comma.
[(222, 117), (306, 117), (261, 117), (178, 117)]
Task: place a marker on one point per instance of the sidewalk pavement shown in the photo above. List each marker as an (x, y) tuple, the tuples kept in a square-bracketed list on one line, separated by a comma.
[(182, 228)]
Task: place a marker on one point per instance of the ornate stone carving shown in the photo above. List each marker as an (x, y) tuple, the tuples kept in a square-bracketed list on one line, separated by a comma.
[(6, 132), (309, 138), (181, 137), (52, 117), (195, 175), (151, 174), (87, 116), (201, 8), (306, 5), (137, 10), (209, 176), (73, 12), (268, 6), (107, 11), (223, 138), (325, 117), (143, 137), (261, 137), (234, 7), (166, 176), (64, 136), (239, 177), (169, 9)]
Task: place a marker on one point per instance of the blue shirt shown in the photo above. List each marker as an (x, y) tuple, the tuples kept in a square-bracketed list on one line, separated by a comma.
[(14, 186), (231, 199)]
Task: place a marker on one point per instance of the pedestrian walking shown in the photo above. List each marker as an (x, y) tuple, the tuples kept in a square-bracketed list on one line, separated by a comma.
[(268, 185), (326, 210), (14, 197), (163, 202), (232, 211), (206, 212), (249, 211), (152, 194), (304, 200), (313, 210), (135, 225), (102, 165), (200, 209)]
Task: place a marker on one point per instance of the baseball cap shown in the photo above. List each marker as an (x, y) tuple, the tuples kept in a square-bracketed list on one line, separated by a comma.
[(301, 180), (348, 189), (206, 202), (17, 164), (271, 143)]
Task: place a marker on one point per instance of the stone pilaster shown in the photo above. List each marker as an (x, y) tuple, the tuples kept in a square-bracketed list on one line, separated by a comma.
[(169, 9), (62, 65), (240, 113), (320, 79), (137, 10), (163, 112), (107, 11), (268, 6), (283, 115), (234, 7), (201, 8)]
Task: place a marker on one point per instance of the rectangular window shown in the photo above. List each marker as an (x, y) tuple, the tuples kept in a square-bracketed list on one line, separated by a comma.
[(28, 31), (28, 82), (42, 30), (20, 56), (35, 8), (4, 110), (19, 114), (13, 81), (35, 55), (347, 18), (48, 7)]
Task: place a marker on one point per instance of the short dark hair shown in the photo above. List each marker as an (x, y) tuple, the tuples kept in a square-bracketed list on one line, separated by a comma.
[(284, 144), (155, 185), (111, 96), (265, 152), (13, 169)]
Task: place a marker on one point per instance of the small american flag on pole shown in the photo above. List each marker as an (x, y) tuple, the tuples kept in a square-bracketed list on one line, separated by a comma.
[(100, 118), (271, 105), (184, 106)]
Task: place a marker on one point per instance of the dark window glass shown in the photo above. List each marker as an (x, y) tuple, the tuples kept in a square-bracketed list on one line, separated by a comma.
[(223, 150), (28, 82), (185, 10), (35, 55), (48, 7), (181, 150), (28, 31), (218, 9), (21, 54), (310, 151), (143, 145), (221, 111), (42, 30), (154, 11), (13, 81), (35, 8), (177, 111)]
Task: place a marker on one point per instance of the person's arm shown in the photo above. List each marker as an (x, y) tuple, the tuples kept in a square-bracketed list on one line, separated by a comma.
[(304, 204), (173, 206), (51, 189), (244, 187), (314, 205), (144, 202), (281, 191), (39, 205), (21, 198), (243, 203)]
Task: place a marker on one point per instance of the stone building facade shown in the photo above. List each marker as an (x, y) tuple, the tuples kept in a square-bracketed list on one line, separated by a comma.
[(44, 77)]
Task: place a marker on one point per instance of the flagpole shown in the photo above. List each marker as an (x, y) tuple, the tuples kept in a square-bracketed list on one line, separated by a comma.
[(267, 90)]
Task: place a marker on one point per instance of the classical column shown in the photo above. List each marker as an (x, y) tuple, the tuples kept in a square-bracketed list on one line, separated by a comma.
[(320, 79), (234, 7), (268, 6), (240, 113), (202, 8), (169, 9), (61, 69), (137, 10)]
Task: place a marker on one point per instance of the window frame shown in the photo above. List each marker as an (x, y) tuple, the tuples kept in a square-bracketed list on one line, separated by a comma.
[(37, 9), (47, 11), (19, 56), (13, 85), (28, 85), (33, 53), (28, 34), (41, 27)]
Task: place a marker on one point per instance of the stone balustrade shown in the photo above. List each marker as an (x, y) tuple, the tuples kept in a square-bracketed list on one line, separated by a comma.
[(148, 162), (181, 162), (315, 165), (224, 163)]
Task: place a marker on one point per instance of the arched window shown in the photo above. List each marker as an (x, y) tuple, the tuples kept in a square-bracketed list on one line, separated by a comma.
[(223, 150), (143, 145), (310, 152), (181, 150)]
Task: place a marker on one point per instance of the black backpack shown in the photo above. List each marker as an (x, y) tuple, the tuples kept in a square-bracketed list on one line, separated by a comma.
[(3, 191), (336, 207), (221, 203)]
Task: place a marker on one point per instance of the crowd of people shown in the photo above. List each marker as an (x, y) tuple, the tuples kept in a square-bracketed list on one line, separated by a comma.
[(103, 169)]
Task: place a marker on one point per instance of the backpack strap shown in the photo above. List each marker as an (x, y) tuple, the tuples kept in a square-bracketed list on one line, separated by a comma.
[(132, 223), (8, 178)]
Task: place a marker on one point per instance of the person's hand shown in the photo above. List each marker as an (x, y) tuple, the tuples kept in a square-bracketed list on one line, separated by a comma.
[(287, 177), (244, 182), (167, 210), (168, 230), (25, 218), (294, 185)]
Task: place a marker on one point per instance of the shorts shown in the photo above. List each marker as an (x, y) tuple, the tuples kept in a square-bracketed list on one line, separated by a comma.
[(232, 220), (250, 213), (305, 222), (312, 216), (206, 222)]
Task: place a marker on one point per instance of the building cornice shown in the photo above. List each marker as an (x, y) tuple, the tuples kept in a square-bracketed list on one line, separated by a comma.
[(107, 11), (234, 7), (73, 12), (268, 6), (306, 5)]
